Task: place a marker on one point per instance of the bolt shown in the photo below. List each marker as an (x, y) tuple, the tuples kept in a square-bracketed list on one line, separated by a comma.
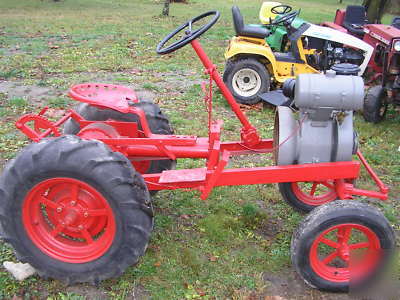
[(59, 209), (73, 203), (80, 227), (86, 214)]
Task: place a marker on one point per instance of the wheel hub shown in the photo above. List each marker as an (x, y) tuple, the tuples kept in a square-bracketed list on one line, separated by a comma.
[(344, 252), (69, 220), (246, 82)]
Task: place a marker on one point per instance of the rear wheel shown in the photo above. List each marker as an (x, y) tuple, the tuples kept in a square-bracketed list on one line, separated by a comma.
[(157, 121), (246, 79), (75, 210), (341, 245), (375, 104), (305, 196)]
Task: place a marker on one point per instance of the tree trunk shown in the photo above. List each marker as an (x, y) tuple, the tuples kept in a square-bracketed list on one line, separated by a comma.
[(375, 10), (165, 11)]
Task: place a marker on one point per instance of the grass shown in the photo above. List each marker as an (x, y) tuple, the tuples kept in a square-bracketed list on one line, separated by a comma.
[(219, 248)]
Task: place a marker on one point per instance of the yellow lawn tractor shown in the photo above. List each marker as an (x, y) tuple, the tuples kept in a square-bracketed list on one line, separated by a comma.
[(261, 57)]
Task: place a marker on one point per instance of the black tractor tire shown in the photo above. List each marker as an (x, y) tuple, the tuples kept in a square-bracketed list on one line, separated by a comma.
[(94, 166), (375, 104), (334, 215), (157, 121), (232, 67), (301, 201)]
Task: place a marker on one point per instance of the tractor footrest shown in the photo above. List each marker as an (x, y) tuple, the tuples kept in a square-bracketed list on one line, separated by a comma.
[(186, 175)]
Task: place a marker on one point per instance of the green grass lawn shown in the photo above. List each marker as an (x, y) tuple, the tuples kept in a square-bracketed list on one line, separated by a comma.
[(220, 248)]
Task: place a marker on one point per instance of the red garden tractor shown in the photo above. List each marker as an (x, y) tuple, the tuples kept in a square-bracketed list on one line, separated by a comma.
[(384, 66), (76, 205)]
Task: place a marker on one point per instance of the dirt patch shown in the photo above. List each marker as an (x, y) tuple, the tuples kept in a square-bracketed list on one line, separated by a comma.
[(32, 93), (89, 291), (289, 286)]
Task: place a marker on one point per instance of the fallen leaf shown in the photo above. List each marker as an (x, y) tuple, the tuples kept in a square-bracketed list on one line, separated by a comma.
[(200, 292), (157, 264), (135, 71), (186, 217), (213, 258)]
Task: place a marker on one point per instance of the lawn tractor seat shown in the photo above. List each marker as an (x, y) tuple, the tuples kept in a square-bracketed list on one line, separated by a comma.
[(355, 19), (247, 30), (396, 22)]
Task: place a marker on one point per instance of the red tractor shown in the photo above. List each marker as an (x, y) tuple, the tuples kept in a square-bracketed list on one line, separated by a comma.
[(77, 206), (384, 66)]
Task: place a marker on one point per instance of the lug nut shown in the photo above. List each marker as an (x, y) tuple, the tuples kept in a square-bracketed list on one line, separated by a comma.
[(73, 203), (59, 209), (86, 214)]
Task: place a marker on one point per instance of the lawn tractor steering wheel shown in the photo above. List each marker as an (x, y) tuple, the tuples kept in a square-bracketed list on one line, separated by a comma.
[(281, 9), (189, 34), (285, 19)]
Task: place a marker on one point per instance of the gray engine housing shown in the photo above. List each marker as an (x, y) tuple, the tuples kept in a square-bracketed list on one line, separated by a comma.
[(322, 130)]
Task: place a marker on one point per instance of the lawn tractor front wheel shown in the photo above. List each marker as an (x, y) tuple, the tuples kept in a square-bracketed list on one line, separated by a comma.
[(75, 210), (246, 79), (375, 104), (342, 245), (305, 196), (157, 121)]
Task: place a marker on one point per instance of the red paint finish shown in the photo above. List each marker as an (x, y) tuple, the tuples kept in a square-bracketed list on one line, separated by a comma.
[(334, 26), (104, 95), (339, 17), (141, 146), (383, 33), (249, 133), (271, 174), (68, 220), (345, 252), (311, 196)]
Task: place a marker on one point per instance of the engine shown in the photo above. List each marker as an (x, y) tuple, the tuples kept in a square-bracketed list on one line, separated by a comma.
[(322, 129), (334, 53)]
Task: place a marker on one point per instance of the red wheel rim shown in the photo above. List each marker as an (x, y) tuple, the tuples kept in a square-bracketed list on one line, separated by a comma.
[(352, 255), (68, 220), (319, 193)]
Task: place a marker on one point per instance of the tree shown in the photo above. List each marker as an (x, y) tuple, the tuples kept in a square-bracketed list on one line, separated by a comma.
[(375, 9)]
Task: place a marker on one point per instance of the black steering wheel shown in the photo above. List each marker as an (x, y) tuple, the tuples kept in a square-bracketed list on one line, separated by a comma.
[(286, 19), (189, 34), (285, 9)]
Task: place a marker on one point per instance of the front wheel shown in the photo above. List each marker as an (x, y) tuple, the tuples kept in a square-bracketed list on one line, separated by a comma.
[(375, 104), (305, 196), (75, 210), (246, 79), (341, 245)]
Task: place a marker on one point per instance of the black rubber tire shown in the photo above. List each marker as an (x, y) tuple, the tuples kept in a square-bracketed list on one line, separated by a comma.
[(92, 162), (157, 121), (286, 190), (329, 215), (234, 66), (375, 104)]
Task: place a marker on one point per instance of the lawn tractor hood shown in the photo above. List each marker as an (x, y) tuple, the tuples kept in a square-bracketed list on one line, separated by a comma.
[(322, 129), (348, 40)]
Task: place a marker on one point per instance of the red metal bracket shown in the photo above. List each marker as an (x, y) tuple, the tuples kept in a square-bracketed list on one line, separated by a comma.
[(211, 181)]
